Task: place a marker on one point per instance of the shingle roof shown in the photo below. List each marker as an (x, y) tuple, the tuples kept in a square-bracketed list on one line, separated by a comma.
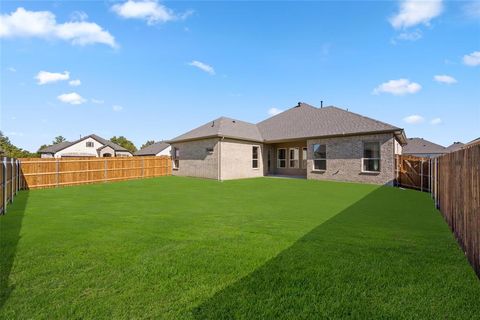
[(55, 147), (455, 146), (152, 149), (305, 121), (223, 127), (300, 122), (62, 145), (473, 142), (422, 146)]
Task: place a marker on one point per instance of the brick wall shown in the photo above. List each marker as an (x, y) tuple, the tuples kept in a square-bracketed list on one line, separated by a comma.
[(344, 159)]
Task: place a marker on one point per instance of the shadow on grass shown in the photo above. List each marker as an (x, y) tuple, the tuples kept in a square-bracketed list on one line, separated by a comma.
[(390, 255), (10, 226)]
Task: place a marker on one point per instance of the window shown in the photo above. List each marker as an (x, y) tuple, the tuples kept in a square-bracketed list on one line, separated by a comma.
[(175, 156), (371, 157), (89, 144), (320, 157), (255, 157), (281, 158), (209, 150), (304, 158), (294, 153)]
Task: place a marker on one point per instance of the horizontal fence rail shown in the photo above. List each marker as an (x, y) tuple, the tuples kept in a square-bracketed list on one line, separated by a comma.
[(50, 172), (9, 182)]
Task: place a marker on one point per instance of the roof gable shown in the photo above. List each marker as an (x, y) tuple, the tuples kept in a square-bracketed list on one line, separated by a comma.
[(152, 149), (65, 144), (304, 121), (223, 127)]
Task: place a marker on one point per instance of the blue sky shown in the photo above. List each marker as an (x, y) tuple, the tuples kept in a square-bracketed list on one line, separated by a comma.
[(153, 70)]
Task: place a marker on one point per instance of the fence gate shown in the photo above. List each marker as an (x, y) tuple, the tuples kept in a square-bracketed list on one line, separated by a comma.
[(413, 172)]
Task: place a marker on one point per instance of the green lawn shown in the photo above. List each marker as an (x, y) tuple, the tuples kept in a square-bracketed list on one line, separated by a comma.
[(179, 248)]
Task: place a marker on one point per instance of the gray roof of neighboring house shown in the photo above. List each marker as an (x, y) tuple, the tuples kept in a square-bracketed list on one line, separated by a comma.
[(152, 149), (223, 127), (422, 146), (62, 145), (302, 121), (473, 142), (455, 146)]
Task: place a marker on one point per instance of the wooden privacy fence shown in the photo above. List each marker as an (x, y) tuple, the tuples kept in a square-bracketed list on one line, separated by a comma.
[(9, 182), (413, 172), (456, 192), (50, 172)]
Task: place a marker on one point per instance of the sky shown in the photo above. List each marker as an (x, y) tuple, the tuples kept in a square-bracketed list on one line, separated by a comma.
[(152, 70)]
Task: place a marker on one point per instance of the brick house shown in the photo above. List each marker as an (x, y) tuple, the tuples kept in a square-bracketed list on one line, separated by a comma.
[(315, 143)]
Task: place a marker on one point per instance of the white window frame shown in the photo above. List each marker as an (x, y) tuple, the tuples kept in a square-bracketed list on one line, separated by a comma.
[(314, 159), (296, 157), (304, 157), (257, 159), (379, 159), (285, 159)]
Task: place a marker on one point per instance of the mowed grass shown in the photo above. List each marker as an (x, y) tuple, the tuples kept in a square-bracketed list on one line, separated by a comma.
[(180, 248)]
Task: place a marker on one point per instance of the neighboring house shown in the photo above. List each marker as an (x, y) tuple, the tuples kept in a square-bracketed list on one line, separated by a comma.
[(157, 149), (472, 143), (89, 146), (317, 143), (455, 146), (420, 147)]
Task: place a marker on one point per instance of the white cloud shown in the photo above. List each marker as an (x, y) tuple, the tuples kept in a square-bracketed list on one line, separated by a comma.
[(117, 108), (97, 101), (472, 59), (44, 77), (398, 87), (202, 66), (12, 69), (42, 24), (148, 10), (414, 12), (414, 119), (436, 121), (71, 98), (78, 16), (410, 36), (443, 78), (75, 83), (274, 111)]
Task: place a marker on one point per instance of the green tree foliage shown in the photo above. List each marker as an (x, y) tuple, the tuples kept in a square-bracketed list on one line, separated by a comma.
[(124, 142), (9, 150), (58, 139), (148, 143)]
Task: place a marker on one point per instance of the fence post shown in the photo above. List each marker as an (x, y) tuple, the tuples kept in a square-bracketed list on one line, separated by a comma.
[(12, 185), (143, 168), (105, 171), (57, 173), (18, 175), (4, 169)]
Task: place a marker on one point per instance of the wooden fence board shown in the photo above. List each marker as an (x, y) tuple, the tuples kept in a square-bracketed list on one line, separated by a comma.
[(50, 172), (457, 196)]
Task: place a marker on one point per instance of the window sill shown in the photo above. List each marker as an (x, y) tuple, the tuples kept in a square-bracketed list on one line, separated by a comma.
[(319, 171), (370, 172)]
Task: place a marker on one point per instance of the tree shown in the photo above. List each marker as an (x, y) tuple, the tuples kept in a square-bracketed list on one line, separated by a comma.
[(58, 139), (124, 142), (148, 143), (11, 151)]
